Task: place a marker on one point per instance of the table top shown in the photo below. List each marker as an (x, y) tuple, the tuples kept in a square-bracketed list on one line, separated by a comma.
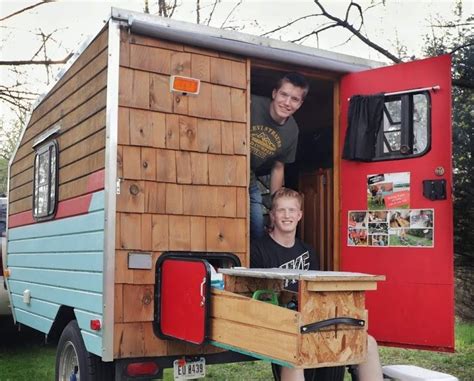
[(309, 275)]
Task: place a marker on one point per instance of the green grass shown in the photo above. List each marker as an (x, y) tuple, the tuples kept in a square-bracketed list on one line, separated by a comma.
[(24, 356)]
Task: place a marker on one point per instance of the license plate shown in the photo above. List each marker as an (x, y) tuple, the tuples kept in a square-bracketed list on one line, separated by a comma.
[(188, 370)]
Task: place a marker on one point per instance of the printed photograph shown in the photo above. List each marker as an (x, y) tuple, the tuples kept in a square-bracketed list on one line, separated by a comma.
[(411, 237), (399, 218), (421, 218), (378, 240), (357, 237), (357, 219), (378, 228), (378, 216), (388, 191)]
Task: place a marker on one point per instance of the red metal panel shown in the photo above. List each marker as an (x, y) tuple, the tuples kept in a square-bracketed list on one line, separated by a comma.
[(183, 299), (415, 306)]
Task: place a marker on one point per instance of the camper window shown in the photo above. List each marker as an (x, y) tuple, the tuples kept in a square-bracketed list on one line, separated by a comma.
[(45, 184), (406, 127)]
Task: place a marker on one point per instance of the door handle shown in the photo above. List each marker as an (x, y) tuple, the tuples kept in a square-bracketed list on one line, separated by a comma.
[(326, 323), (203, 297)]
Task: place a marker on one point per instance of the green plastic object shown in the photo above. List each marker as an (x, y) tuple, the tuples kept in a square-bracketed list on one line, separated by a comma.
[(268, 296)]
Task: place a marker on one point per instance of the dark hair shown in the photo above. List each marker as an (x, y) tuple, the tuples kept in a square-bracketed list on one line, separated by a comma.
[(296, 79), (286, 192)]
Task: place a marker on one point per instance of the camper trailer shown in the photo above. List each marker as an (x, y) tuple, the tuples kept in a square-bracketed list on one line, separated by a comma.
[(129, 188)]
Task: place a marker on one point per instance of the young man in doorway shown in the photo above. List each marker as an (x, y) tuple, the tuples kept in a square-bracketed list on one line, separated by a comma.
[(273, 140), (280, 248)]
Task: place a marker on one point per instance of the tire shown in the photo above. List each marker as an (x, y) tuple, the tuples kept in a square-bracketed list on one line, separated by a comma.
[(74, 363), (317, 374)]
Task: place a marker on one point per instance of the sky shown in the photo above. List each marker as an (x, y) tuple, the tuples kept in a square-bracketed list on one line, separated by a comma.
[(74, 20)]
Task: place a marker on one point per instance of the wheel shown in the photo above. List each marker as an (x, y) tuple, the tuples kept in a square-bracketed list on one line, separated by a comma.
[(74, 363)]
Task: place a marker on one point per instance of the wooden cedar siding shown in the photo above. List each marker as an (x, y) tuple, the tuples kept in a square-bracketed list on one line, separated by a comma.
[(77, 103), (183, 162)]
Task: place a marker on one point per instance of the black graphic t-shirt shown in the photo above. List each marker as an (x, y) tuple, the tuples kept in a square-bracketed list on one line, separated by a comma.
[(270, 141), (266, 253)]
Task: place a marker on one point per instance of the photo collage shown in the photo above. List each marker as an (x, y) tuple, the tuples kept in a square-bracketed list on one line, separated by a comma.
[(391, 228)]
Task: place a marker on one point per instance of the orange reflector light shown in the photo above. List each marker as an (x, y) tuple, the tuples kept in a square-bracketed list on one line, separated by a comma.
[(6, 273), (184, 85), (142, 369), (95, 325)]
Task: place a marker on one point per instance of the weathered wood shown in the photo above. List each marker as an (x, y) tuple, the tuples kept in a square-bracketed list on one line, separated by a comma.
[(199, 171), (183, 167), (188, 139), (200, 67), (118, 303), (221, 71), (179, 233), (172, 131), (209, 135), (227, 170), (165, 165), (174, 199), (123, 125), (131, 158), (124, 50), (148, 164), (85, 166), (227, 134), (180, 64), (130, 231), (242, 204), (150, 41), (132, 196), (138, 300), (150, 59), (198, 233), (341, 286), (21, 178), (238, 100), (147, 128), (240, 138), (160, 232), (239, 75), (75, 187), (82, 130), (155, 197), (201, 106), (83, 148), (161, 99), (226, 234), (131, 88), (249, 285), (221, 106)]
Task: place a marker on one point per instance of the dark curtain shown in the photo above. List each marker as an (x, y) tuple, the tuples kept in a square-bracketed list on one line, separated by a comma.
[(364, 121)]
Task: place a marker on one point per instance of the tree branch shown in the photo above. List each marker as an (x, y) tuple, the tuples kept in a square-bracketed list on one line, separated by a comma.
[(38, 62), (26, 9), (230, 13), (289, 24)]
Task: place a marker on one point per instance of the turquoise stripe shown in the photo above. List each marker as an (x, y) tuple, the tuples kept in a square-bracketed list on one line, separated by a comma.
[(83, 300), (77, 242), (93, 343), (97, 202), (60, 261), (71, 225), (35, 321), (253, 354), (84, 319), (37, 307), (79, 280)]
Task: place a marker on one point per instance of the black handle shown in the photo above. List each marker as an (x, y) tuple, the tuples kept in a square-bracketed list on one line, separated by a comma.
[(325, 323)]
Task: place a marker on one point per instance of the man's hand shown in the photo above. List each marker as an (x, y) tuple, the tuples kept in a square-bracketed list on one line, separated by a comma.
[(277, 176)]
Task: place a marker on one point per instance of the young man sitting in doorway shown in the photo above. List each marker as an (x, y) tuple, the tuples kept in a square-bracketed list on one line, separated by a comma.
[(273, 140), (280, 248)]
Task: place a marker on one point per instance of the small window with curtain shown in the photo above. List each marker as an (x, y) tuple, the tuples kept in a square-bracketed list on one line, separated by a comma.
[(405, 127), (388, 127), (45, 187)]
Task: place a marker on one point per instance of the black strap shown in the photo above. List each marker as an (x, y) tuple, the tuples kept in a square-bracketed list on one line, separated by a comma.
[(325, 323)]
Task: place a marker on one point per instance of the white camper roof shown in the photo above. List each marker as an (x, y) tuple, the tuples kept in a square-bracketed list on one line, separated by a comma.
[(240, 43)]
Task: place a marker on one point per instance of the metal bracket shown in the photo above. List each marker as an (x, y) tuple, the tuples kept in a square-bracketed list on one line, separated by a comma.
[(434, 189), (326, 323)]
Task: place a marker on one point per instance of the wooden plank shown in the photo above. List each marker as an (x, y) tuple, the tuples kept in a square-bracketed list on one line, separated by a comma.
[(275, 344), (147, 128), (221, 105), (200, 51), (198, 233), (242, 203), (245, 285), (155, 197), (199, 171), (151, 59), (227, 170), (200, 200), (180, 103), (120, 162), (129, 340), (20, 206), (124, 50), (122, 273), (133, 88), (118, 303), (201, 105), (21, 192), (123, 126), (148, 164), (225, 234), (229, 306), (188, 133), (180, 64), (172, 131), (209, 136), (132, 196), (160, 232), (239, 75), (82, 167), (83, 148), (75, 187), (227, 134), (165, 165), (157, 43), (131, 158), (82, 130), (240, 138), (238, 105), (226, 202), (183, 167), (200, 67), (336, 196), (174, 199), (130, 228), (161, 99), (342, 286), (221, 71), (21, 178), (180, 233), (139, 302)]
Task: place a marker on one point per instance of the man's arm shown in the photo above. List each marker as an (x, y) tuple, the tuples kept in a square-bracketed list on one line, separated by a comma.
[(277, 176)]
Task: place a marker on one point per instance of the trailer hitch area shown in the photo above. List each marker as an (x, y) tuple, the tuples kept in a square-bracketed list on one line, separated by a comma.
[(308, 328)]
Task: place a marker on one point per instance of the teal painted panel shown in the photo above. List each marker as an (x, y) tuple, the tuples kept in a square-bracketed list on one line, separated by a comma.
[(37, 307), (83, 320), (80, 280), (93, 343), (34, 321), (83, 300), (97, 202), (71, 225), (61, 261), (93, 241)]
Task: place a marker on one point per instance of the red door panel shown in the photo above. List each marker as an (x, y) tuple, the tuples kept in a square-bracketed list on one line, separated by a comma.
[(183, 302), (414, 307)]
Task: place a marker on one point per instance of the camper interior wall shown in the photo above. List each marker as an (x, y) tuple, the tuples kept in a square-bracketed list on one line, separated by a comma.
[(312, 172)]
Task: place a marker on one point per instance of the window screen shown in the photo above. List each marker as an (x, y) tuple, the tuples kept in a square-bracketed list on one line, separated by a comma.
[(46, 180)]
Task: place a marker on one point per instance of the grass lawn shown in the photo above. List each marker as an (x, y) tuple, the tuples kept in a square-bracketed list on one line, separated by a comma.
[(24, 356)]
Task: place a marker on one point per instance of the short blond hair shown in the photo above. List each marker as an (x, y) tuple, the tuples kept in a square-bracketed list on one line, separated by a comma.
[(286, 192)]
